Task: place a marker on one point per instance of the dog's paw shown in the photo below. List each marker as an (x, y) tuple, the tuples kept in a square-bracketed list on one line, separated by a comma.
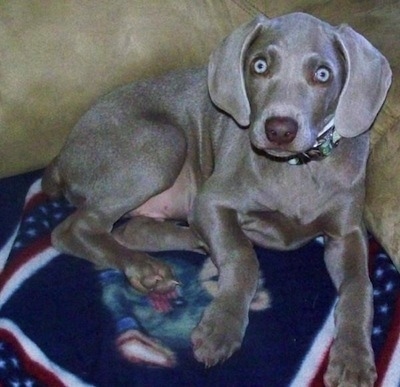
[(350, 366), (151, 275), (218, 335)]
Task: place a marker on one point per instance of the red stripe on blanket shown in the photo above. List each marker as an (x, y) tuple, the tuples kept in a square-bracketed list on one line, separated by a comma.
[(34, 201), (374, 249), (391, 341), (318, 380), (32, 367), (23, 257)]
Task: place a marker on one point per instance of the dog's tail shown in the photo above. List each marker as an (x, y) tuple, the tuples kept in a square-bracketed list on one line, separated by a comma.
[(51, 181)]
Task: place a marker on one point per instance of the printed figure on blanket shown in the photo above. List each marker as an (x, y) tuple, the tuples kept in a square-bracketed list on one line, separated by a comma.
[(151, 328)]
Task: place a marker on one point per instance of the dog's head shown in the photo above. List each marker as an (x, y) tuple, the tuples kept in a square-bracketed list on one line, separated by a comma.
[(286, 78)]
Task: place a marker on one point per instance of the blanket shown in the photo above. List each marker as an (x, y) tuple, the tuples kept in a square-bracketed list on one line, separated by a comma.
[(63, 322)]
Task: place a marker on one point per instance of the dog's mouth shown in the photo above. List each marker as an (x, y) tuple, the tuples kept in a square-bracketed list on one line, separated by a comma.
[(279, 153), (280, 156)]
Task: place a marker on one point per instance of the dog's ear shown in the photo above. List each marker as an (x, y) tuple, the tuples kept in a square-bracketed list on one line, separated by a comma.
[(368, 78), (225, 71)]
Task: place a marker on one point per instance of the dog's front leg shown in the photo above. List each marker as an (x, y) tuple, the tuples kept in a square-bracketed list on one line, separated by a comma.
[(351, 360), (223, 324)]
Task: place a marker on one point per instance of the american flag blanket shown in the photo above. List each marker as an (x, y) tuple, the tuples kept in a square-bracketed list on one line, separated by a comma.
[(65, 323)]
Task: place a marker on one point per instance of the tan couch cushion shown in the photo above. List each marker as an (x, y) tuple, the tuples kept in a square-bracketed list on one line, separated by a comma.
[(58, 56)]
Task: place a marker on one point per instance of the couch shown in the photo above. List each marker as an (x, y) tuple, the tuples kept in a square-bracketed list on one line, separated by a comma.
[(57, 57)]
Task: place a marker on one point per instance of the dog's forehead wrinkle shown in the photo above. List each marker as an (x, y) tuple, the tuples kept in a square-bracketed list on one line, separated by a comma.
[(298, 21), (295, 34)]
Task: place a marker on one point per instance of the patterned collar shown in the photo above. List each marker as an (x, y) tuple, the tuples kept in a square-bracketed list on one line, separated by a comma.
[(324, 146)]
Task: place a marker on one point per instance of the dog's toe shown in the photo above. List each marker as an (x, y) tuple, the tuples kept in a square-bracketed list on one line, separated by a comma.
[(349, 378), (151, 275), (218, 336), (349, 368)]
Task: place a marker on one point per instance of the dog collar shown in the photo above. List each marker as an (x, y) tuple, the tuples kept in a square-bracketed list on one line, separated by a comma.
[(327, 140)]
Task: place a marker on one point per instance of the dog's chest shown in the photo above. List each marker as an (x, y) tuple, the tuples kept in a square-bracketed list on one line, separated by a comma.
[(288, 209), (294, 195)]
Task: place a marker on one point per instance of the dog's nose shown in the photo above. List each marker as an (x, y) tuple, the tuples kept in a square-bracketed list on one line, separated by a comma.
[(281, 130)]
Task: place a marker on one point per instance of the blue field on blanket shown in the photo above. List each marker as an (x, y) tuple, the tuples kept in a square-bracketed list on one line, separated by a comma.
[(65, 323)]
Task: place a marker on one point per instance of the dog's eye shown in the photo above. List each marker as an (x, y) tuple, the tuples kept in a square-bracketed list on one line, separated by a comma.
[(260, 66), (322, 75)]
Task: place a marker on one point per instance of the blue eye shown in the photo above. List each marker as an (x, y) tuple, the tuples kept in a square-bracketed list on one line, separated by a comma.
[(322, 75), (260, 66)]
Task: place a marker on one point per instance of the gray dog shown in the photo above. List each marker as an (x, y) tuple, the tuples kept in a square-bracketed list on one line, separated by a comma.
[(266, 146)]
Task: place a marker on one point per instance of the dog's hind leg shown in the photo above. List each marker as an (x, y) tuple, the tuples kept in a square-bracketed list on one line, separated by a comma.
[(86, 234), (106, 188)]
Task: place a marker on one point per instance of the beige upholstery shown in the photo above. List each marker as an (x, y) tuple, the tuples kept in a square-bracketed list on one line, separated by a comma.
[(56, 57)]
